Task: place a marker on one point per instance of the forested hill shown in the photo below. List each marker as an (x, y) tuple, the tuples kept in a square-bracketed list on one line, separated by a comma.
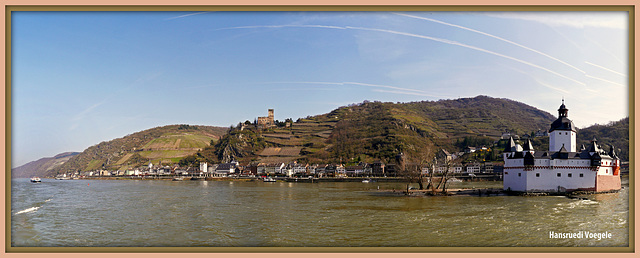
[(378, 131), (481, 115), (166, 144), (614, 133)]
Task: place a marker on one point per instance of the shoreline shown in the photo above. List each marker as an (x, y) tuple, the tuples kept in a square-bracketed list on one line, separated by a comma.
[(487, 192)]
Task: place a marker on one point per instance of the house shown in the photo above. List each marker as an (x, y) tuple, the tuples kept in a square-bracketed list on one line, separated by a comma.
[(211, 169), (445, 155), (377, 168), (274, 168), (541, 133), (312, 169), (330, 170), (300, 169), (341, 171), (320, 170), (261, 169), (562, 168), (473, 168), (354, 170), (203, 167), (225, 169), (390, 170)]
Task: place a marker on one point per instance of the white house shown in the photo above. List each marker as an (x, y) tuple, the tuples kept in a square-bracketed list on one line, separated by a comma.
[(224, 169), (300, 168), (562, 168), (341, 170), (204, 167)]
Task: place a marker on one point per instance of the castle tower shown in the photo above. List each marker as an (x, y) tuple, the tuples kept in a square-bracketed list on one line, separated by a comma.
[(271, 116), (562, 132)]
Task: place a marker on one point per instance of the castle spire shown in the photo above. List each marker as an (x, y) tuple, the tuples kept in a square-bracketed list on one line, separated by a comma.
[(563, 111)]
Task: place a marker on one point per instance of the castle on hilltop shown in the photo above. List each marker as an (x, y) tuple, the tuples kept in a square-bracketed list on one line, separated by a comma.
[(266, 121), (562, 168)]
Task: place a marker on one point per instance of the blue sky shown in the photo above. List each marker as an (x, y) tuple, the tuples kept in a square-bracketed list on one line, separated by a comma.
[(80, 78)]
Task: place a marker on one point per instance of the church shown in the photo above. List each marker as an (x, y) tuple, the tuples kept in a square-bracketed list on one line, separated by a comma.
[(562, 168)]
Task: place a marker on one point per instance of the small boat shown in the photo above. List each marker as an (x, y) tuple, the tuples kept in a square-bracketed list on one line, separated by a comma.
[(178, 179), (268, 179), (36, 179), (453, 179), (366, 181)]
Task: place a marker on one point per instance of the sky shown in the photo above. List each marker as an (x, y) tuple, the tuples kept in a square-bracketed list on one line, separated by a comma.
[(81, 78)]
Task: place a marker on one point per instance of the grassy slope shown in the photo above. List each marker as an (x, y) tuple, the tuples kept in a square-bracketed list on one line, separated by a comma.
[(168, 143)]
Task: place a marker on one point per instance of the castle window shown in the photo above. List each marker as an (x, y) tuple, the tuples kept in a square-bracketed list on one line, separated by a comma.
[(569, 175), (558, 174), (537, 174), (581, 175), (519, 174)]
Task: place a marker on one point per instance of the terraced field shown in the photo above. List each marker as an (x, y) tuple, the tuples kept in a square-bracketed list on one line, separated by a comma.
[(308, 136), (179, 141)]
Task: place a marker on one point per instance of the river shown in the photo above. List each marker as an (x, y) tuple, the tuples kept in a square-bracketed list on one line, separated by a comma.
[(155, 213)]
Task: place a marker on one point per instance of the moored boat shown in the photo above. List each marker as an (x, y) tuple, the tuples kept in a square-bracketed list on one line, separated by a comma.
[(453, 179), (268, 179), (36, 179)]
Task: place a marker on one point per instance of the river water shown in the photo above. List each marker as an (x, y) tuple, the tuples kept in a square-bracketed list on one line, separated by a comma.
[(123, 213)]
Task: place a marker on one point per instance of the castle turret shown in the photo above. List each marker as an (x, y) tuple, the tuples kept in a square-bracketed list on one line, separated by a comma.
[(562, 132)]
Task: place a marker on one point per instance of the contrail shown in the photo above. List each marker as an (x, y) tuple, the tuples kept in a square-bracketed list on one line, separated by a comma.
[(493, 36), (470, 47), (450, 42), (397, 89), (181, 16), (383, 86), (406, 93), (600, 79), (282, 26), (604, 68)]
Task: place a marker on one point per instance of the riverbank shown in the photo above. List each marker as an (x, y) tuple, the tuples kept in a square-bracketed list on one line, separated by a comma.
[(449, 192), (489, 192), (286, 179)]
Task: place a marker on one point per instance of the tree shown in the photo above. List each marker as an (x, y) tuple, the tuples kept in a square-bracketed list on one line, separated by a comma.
[(446, 174), (412, 171)]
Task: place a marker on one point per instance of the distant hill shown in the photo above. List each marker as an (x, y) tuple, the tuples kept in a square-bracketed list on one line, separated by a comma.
[(166, 144), (42, 166), (365, 132), (614, 133), (379, 131)]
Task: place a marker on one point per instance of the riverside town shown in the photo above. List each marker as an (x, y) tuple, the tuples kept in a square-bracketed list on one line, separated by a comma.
[(562, 168)]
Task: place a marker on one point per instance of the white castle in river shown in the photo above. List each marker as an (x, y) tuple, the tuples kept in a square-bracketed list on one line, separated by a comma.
[(562, 168)]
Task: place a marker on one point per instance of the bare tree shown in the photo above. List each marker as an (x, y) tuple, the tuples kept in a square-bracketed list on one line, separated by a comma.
[(447, 173), (412, 171)]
